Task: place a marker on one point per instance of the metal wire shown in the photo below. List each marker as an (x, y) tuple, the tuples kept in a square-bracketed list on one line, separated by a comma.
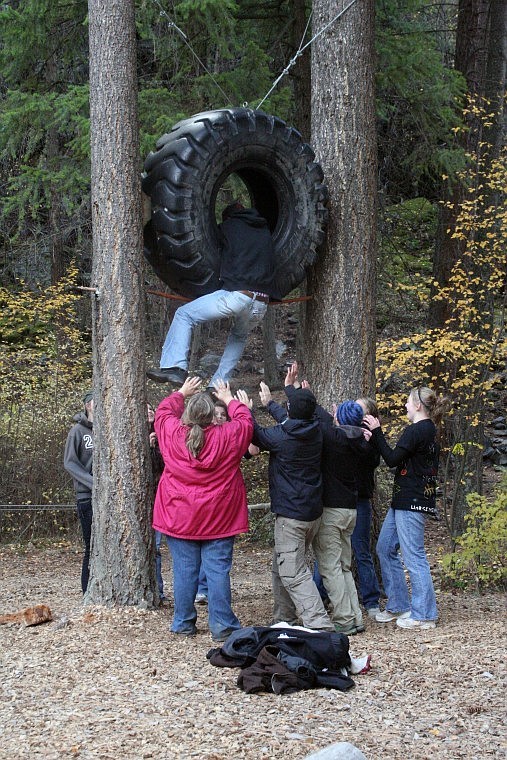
[(302, 48), (184, 37)]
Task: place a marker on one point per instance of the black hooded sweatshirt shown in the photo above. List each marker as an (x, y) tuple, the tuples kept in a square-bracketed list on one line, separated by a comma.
[(247, 258), (295, 478)]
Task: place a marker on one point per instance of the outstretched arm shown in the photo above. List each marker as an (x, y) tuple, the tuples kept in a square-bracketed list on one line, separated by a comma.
[(392, 457)]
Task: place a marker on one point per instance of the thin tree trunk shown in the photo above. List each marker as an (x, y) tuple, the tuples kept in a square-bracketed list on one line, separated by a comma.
[(339, 354), (271, 374), (122, 570), (481, 57)]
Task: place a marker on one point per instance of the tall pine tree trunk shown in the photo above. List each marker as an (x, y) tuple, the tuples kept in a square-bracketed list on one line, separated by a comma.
[(339, 354), (122, 570)]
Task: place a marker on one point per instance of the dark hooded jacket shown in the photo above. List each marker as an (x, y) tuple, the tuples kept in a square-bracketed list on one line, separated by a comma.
[(342, 449), (247, 258), (78, 457), (295, 478)]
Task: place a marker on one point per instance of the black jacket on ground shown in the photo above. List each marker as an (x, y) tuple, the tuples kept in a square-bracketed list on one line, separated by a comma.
[(295, 478), (285, 660), (247, 258)]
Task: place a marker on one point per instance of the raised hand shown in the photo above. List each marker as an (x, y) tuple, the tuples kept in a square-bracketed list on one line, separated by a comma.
[(190, 386), (306, 385), (291, 378), (371, 421), (264, 394), (243, 396), (223, 391)]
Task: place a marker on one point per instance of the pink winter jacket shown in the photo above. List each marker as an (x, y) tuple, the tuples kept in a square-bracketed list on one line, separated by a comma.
[(201, 498)]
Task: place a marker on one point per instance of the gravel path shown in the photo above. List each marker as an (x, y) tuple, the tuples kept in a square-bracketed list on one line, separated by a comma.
[(100, 683)]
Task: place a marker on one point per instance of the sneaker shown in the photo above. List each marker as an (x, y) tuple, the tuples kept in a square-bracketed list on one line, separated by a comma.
[(174, 375), (201, 599), (372, 612), (347, 630), (416, 625), (386, 616)]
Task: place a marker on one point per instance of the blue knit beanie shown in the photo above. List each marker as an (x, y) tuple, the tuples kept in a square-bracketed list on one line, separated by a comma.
[(349, 413)]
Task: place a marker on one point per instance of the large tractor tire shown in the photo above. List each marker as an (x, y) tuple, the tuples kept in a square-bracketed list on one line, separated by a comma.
[(185, 173)]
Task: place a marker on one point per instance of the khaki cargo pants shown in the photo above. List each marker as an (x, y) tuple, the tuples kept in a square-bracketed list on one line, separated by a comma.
[(295, 594)]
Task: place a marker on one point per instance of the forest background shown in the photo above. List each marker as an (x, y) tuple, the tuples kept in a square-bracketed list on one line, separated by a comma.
[(440, 79)]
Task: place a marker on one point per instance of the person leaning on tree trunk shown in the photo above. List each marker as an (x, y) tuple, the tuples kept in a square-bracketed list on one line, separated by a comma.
[(78, 461)]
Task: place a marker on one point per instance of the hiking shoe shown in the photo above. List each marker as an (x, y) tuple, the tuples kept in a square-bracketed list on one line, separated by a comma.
[(372, 612), (347, 630), (386, 616), (416, 625), (201, 599), (174, 375)]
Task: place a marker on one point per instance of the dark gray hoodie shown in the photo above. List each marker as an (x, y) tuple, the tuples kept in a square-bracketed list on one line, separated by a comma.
[(78, 457)]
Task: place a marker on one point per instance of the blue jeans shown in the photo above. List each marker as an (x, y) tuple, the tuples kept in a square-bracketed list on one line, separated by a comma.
[(317, 579), (216, 558), (404, 530), (368, 582), (221, 304), (85, 514)]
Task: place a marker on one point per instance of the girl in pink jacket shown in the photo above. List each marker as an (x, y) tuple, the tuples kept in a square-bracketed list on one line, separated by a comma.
[(201, 499)]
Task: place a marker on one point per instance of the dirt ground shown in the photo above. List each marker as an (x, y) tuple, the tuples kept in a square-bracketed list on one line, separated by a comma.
[(99, 683)]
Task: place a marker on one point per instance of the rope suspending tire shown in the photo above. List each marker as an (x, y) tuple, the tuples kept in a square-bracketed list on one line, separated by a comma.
[(192, 162)]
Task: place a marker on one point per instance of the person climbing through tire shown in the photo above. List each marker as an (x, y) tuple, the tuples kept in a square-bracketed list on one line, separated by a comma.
[(248, 279)]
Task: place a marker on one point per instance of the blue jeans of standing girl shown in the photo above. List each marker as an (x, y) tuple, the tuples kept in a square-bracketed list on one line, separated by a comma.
[(368, 583), (404, 530)]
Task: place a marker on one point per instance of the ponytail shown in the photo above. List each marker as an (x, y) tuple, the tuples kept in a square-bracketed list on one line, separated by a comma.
[(197, 416), (435, 406), (195, 440)]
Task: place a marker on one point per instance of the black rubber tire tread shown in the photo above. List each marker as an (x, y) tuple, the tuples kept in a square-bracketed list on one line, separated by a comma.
[(182, 178)]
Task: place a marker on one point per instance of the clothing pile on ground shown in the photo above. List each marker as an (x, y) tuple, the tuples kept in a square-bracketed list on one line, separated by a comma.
[(284, 659)]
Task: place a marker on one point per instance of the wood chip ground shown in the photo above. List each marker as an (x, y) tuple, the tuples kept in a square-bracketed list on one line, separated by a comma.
[(102, 683)]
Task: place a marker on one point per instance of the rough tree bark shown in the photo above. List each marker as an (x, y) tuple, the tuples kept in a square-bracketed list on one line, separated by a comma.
[(122, 572), (339, 355)]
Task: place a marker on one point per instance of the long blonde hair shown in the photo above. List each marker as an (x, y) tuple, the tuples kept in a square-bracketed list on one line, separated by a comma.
[(435, 406), (198, 415)]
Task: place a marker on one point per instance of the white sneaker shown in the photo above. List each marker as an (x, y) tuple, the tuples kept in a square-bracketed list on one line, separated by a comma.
[(409, 622), (386, 616), (373, 611), (201, 599)]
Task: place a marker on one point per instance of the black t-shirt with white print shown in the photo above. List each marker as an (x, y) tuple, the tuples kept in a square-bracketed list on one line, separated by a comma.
[(416, 460)]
